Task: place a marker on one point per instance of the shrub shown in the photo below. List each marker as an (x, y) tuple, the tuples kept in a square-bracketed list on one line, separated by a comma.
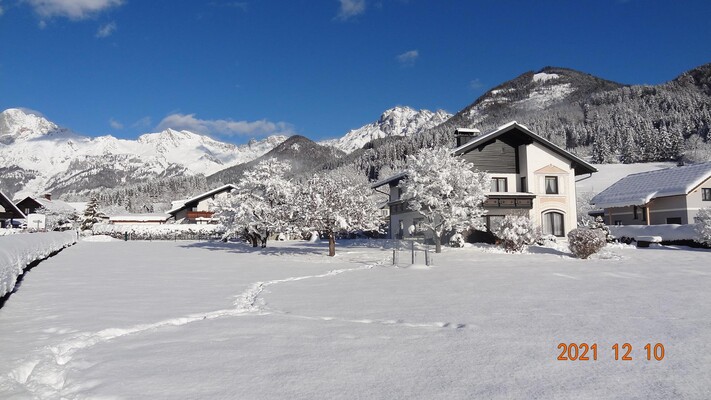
[(457, 240), (703, 225), (515, 232), (600, 224), (585, 242)]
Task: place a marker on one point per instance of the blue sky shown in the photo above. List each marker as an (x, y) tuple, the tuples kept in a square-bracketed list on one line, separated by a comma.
[(243, 69)]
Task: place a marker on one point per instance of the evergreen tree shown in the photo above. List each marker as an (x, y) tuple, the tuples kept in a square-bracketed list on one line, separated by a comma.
[(92, 215)]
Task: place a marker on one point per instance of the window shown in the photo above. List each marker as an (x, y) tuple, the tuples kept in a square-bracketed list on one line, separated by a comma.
[(498, 185), (706, 194), (524, 186), (551, 185), (644, 213), (674, 220), (553, 224), (634, 212)]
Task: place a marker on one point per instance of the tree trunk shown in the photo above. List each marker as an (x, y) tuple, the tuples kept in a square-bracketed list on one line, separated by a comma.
[(264, 239), (255, 240), (438, 243), (331, 244)]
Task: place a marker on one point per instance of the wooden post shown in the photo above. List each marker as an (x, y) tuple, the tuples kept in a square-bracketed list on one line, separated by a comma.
[(646, 212)]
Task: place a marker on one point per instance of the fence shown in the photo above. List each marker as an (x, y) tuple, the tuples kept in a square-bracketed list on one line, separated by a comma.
[(410, 251)]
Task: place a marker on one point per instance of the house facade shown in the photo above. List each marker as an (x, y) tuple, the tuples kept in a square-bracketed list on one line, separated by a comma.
[(530, 176), (197, 209), (666, 196)]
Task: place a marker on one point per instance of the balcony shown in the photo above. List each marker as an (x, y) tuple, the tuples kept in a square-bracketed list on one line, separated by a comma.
[(193, 215), (509, 200)]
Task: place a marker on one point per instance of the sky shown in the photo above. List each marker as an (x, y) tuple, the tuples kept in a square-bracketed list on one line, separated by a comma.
[(237, 70)]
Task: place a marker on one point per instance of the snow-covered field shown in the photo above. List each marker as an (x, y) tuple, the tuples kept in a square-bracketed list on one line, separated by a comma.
[(164, 320)]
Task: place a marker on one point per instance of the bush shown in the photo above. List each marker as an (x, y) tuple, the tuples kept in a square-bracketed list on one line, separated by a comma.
[(703, 225), (585, 242), (600, 224), (515, 232), (457, 240)]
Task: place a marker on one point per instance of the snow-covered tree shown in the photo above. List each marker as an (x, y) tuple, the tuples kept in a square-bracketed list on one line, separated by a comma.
[(262, 203), (57, 219), (703, 225), (335, 203), (446, 191), (92, 215)]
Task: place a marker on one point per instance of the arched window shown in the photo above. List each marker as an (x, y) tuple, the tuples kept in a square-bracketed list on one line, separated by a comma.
[(553, 223)]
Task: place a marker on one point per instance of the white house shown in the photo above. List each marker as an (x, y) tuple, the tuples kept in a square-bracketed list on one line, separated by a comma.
[(530, 176)]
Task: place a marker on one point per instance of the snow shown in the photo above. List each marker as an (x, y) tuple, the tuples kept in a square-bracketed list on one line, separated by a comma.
[(99, 238), (210, 320), (665, 231), (543, 76), (20, 250), (640, 188), (397, 121), (544, 95)]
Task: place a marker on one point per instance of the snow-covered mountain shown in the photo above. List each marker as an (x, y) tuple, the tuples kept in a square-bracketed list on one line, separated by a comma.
[(36, 155), (397, 121)]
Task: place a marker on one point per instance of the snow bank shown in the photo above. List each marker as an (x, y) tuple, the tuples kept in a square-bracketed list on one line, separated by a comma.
[(160, 232), (19, 251), (9, 231), (666, 231)]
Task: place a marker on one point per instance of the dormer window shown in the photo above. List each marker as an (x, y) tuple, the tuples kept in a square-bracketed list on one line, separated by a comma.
[(499, 185), (551, 185)]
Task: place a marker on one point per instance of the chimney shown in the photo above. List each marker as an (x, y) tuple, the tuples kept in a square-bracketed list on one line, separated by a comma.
[(48, 196), (465, 135)]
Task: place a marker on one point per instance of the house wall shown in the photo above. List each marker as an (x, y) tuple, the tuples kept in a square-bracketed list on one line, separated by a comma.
[(668, 207), (498, 157), (541, 162), (695, 200)]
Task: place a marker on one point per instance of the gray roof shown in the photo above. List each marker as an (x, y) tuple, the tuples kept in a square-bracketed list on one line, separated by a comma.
[(580, 165), (187, 203), (639, 189)]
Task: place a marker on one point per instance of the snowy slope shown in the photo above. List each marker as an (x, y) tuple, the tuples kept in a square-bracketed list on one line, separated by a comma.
[(397, 121), (54, 158)]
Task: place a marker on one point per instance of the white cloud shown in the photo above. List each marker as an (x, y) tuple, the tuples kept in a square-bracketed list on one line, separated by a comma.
[(225, 127), (106, 30), (1, 10), (350, 9), (72, 9), (143, 123), (115, 124), (476, 84), (408, 58)]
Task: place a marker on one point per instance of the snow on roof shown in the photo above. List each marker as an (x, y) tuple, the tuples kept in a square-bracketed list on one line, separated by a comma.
[(177, 206), (54, 205), (388, 180), (638, 189), (140, 217), (585, 167)]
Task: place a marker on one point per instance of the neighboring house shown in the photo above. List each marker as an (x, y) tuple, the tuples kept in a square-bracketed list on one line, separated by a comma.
[(665, 196), (530, 176), (143, 219), (30, 205), (9, 212), (197, 209)]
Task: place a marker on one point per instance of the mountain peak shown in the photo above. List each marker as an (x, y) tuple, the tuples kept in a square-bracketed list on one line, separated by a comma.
[(396, 121), (17, 124)]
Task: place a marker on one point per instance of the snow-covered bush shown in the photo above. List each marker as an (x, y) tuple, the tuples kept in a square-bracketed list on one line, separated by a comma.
[(547, 240), (457, 240), (703, 225), (599, 224), (160, 232), (514, 232), (584, 242)]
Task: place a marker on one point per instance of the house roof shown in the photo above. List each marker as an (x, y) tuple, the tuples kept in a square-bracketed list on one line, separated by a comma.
[(580, 165), (9, 206), (192, 201), (57, 206), (638, 189)]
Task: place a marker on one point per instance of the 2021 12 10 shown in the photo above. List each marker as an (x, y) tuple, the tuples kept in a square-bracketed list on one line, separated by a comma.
[(620, 352)]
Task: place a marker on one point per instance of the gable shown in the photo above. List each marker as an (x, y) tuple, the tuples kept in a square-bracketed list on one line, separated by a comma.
[(550, 169), (497, 156)]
